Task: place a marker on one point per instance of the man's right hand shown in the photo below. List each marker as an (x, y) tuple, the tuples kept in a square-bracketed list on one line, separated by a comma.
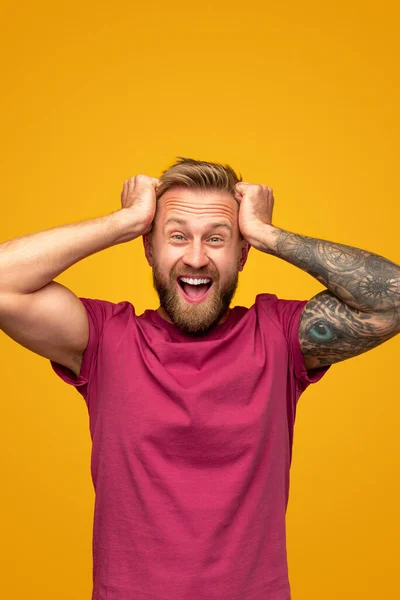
[(138, 196)]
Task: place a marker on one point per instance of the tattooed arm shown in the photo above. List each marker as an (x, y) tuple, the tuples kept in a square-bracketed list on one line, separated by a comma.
[(359, 310)]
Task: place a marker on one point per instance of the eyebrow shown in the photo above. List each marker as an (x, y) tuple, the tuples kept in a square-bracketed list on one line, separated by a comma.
[(184, 222)]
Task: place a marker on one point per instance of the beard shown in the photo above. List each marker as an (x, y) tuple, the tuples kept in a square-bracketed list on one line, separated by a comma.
[(194, 319)]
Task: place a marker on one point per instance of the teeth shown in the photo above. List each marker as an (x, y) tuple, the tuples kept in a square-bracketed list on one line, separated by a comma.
[(194, 281)]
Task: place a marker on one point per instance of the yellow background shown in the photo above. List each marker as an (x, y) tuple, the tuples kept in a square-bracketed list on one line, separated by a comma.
[(300, 96)]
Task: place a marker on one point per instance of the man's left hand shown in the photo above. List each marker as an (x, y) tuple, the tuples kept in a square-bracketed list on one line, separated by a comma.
[(255, 211)]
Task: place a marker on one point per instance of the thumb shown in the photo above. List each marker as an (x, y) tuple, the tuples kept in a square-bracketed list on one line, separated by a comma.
[(239, 190)]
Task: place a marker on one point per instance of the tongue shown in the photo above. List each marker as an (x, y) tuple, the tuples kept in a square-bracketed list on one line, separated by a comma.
[(195, 291)]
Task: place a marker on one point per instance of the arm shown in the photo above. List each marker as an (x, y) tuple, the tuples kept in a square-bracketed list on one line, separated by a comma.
[(359, 310), (41, 314)]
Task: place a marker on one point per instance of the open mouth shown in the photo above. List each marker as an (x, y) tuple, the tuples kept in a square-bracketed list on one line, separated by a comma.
[(194, 292)]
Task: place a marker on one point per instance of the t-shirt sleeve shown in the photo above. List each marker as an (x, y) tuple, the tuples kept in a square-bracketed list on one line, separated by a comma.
[(287, 314), (98, 312)]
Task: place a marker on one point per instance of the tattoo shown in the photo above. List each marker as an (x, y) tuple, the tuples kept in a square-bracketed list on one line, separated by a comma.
[(364, 280), (359, 310), (331, 331)]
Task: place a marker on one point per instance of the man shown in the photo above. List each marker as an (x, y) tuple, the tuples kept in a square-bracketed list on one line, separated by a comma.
[(192, 406)]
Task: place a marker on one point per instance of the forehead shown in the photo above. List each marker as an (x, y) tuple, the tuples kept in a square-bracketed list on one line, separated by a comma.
[(194, 204)]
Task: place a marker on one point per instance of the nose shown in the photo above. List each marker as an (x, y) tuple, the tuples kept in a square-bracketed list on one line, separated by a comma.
[(196, 256)]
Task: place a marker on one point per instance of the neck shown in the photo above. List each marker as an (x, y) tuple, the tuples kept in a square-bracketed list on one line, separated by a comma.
[(165, 316)]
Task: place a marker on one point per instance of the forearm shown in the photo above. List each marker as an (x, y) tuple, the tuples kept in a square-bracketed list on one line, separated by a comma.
[(362, 279), (28, 263)]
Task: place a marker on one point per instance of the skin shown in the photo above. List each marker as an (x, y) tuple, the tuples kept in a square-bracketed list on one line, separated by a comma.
[(195, 249)]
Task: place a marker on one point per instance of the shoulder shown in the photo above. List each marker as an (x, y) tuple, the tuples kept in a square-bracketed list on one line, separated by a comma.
[(282, 312), (101, 312)]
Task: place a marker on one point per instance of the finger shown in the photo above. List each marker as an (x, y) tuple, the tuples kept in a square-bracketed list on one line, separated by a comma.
[(123, 193), (242, 187)]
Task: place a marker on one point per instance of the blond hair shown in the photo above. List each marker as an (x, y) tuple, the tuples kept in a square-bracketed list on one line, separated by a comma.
[(199, 175)]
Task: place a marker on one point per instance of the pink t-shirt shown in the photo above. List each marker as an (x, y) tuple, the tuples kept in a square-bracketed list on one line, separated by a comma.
[(191, 450)]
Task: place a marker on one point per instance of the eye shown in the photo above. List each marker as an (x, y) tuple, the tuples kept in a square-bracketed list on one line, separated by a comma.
[(213, 238), (321, 331)]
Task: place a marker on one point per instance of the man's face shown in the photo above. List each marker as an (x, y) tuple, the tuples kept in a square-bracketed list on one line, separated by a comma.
[(204, 242)]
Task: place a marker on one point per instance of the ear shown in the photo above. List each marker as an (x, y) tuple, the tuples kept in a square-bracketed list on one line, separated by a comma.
[(243, 255), (148, 250)]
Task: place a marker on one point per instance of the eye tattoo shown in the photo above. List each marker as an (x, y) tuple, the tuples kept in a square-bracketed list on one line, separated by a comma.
[(321, 331)]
